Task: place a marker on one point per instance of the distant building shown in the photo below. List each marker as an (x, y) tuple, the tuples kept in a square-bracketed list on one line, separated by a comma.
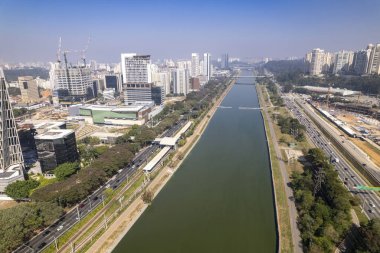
[(29, 89), (55, 147), (343, 62), (195, 68), (73, 84), (224, 61), (112, 82), (360, 62), (137, 80), (195, 84), (207, 65), (11, 159), (320, 61), (136, 68), (374, 59), (180, 81), (143, 93)]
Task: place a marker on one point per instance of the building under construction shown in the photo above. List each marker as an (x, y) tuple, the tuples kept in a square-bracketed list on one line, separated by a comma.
[(72, 83)]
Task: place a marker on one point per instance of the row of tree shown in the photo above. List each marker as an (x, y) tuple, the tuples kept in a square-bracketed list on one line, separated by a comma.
[(293, 72), (20, 222), (322, 202)]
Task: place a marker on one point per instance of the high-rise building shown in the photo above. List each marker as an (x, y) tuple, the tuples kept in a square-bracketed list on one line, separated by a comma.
[(374, 59), (180, 81), (224, 61), (55, 147), (320, 61), (343, 61), (135, 68), (137, 80), (29, 89), (195, 84), (144, 92), (11, 159), (360, 62), (73, 83), (207, 65), (195, 70)]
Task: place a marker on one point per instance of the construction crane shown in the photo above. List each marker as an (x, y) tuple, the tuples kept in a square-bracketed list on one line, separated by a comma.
[(328, 96)]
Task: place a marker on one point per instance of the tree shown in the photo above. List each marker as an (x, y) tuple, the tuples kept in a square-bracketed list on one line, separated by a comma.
[(65, 170), (147, 196), (21, 189)]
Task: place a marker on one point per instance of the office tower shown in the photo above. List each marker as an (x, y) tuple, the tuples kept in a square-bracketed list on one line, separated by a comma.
[(180, 81), (374, 59), (73, 83), (162, 79), (56, 146), (11, 159), (136, 68), (145, 92), (343, 61), (112, 82), (29, 89), (224, 62), (207, 65), (137, 80), (360, 62), (195, 70)]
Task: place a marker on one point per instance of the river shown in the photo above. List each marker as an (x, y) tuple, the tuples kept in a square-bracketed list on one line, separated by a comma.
[(221, 198)]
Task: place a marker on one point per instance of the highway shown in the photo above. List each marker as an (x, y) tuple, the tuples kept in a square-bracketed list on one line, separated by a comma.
[(48, 235), (355, 152), (370, 200)]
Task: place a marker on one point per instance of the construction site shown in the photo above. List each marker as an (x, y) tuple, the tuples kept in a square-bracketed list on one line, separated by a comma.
[(356, 115)]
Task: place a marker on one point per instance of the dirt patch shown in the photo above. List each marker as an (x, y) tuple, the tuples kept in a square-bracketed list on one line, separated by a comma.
[(4, 204)]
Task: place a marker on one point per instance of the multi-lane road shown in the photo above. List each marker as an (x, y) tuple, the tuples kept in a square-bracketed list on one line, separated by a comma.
[(48, 236), (370, 200)]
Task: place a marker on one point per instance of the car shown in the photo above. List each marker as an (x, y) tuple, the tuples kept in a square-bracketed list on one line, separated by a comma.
[(345, 168), (371, 204), (370, 210), (364, 164), (95, 198), (345, 182), (60, 228), (352, 176), (81, 205), (42, 245), (345, 178), (46, 232)]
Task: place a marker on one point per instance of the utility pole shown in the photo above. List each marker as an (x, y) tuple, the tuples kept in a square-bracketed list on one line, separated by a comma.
[(320, 177), (56, 243)]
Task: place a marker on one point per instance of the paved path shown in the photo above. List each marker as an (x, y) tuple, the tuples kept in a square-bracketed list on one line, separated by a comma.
[(297, 243)]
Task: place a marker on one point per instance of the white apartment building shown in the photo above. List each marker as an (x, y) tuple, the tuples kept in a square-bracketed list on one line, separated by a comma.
[(343, 61), (180, 81), (374, 59), (207, 65), (136, 68), (195, 68)]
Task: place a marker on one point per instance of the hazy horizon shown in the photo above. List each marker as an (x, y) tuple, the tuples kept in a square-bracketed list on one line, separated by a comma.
[(173, 29)]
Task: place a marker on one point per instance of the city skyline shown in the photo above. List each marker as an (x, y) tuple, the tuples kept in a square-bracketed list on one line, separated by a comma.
[(174, 30)]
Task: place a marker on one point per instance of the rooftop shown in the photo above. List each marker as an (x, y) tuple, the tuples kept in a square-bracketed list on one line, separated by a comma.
[(54, 134)]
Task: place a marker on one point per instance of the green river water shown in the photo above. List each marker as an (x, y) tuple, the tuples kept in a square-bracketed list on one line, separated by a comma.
[(221, 198)]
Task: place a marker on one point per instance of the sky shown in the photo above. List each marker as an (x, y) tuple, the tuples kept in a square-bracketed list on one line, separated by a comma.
[(30, 29)]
